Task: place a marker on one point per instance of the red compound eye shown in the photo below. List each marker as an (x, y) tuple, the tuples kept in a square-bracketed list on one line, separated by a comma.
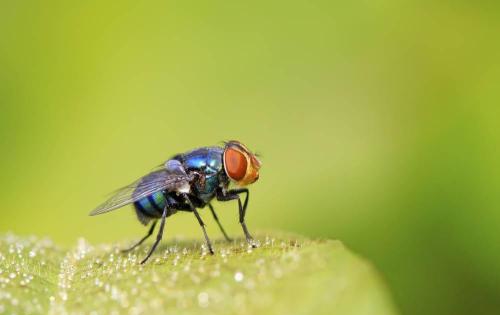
[(236, 164)]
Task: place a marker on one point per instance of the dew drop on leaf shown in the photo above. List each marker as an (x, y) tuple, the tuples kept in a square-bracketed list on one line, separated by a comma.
[(238, 276)]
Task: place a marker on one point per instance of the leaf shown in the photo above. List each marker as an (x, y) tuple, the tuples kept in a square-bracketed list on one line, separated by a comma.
[(286, 274)]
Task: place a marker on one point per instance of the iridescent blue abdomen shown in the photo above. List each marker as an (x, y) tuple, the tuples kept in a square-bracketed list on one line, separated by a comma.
[(150, 207)]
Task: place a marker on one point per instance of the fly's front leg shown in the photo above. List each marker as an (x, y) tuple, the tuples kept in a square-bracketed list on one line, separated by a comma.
[(233, 194), (200, 221)]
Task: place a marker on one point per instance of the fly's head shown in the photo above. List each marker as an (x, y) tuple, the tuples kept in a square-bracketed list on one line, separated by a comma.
[(240, 164)]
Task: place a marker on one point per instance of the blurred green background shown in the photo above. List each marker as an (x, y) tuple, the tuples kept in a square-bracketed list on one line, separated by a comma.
[(377, 122)]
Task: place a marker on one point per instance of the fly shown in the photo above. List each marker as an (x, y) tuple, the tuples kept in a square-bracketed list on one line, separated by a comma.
[(187, 182)]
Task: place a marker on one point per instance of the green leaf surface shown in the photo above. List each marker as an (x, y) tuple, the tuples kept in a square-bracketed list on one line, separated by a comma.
[(286, 274)]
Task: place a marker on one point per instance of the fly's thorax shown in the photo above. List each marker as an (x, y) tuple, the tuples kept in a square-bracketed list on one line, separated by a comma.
[(205, 186), (207, 160), (240, 164), (205, 164)]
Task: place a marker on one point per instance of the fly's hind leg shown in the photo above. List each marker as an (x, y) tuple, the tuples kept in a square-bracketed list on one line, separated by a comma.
[(150, 232), (219, 224), (158, 236)]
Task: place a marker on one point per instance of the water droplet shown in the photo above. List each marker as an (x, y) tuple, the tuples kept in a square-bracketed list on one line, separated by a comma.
[(203, 299), (238, 276), (64, 296)]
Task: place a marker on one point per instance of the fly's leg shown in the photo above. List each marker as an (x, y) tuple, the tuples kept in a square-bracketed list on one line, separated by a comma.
[(158, 237), (233, 194), (200, 221), (150, 232), (218, 223)]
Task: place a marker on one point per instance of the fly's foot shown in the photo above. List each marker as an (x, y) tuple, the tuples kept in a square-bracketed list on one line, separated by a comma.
[(249, 237), (210, 248), (251, 242), (207, 249), (127, 250)]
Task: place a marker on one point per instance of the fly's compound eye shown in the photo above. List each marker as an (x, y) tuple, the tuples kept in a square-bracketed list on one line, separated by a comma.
[(235, 163)]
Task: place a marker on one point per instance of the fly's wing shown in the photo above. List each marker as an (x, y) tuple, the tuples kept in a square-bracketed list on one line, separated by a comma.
[(155, 181)]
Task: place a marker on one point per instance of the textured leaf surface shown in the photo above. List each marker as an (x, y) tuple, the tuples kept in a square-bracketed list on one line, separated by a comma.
[(285, 275)]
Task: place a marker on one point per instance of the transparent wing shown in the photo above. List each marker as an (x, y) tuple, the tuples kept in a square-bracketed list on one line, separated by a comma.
[(157, 180)]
